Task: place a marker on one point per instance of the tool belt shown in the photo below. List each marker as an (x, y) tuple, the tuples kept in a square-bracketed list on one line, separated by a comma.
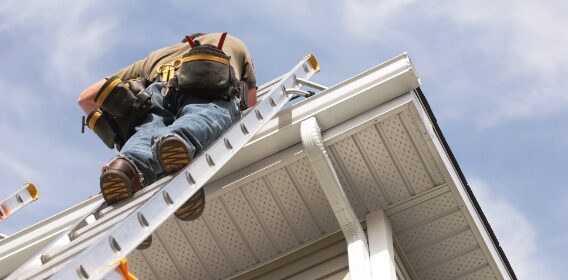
[(123, 107), (205, 71)]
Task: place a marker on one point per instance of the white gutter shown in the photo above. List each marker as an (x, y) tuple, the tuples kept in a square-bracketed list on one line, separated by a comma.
[(357, 249)]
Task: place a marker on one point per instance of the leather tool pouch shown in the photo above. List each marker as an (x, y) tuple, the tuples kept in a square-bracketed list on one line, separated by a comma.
[(123, 107), (205, 72), (242, 91), (103, 127), (112, 130)]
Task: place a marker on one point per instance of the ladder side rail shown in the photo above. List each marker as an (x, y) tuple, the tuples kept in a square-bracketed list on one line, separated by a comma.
[(266, 87), (101, 257)]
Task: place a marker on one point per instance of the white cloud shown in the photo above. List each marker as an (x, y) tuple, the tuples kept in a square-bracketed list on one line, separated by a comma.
[(19, 103), (78, 44), (527, 40), (13, 166), (63, 37), (18, 14), (538, 100), (372, 19), (516, 234), (529, 34), (524, 42)]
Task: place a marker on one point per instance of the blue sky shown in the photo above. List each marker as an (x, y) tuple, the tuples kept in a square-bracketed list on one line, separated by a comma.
[(494, 73)]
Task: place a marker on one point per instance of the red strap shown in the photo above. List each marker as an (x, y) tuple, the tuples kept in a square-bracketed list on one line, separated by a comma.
[(222, 40), (190, 41)]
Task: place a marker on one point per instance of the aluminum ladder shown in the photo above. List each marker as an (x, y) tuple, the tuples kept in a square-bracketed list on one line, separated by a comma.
[(97, 245)]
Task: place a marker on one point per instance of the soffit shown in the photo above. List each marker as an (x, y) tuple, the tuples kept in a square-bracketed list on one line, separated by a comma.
[(385, 158)]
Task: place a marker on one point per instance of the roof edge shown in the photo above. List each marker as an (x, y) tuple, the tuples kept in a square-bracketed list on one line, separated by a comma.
[(438, 131)]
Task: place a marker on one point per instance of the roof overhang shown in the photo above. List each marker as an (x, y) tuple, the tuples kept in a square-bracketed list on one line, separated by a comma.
[(389, 154)]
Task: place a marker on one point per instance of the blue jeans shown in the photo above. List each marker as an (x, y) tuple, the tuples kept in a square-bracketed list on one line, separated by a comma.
[(198, 121)]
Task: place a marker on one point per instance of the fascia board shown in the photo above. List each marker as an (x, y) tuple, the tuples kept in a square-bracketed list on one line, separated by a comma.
[(461, 190)]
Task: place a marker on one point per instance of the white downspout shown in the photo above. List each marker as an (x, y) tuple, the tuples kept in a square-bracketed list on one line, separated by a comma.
[(357, 249)]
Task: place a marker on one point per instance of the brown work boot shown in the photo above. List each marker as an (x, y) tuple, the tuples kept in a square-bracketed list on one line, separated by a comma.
[(119, 181), (145, 244), (192, 208), (173, 155)]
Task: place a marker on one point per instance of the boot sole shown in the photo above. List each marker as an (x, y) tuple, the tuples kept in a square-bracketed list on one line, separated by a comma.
[(173, 156), (193, 208), (145, 244), (115, 187)]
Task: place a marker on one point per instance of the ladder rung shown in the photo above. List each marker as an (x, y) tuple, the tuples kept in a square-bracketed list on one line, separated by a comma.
[(56, 263), (139, 197), (97, 215), (84, 238), (311, 84), (110, 217)]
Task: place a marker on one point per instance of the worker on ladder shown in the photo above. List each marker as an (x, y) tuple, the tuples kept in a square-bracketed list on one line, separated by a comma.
[(163, 110)]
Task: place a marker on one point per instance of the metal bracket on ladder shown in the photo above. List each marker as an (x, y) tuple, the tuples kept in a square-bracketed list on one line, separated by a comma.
[(105, 243), (25, 195)]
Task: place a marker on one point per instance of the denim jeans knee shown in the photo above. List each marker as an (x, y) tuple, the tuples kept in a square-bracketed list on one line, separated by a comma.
[(199, 122), (138, 148)]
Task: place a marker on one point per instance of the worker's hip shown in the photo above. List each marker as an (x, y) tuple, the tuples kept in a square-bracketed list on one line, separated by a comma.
[(198, 119)]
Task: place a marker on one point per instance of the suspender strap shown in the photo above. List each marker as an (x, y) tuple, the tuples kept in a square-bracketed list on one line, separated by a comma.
[(190, 41), (222, 40)]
